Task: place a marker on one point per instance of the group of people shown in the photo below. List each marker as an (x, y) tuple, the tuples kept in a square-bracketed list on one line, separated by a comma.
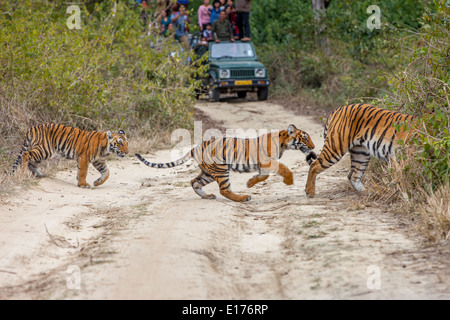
[(224, 20), (170, 18)]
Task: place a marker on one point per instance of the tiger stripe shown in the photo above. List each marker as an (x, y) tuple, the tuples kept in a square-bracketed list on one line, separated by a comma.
[(216, 157), (86, 147), (364, 131)]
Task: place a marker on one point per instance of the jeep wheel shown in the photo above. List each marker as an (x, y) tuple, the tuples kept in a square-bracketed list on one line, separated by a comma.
[(198, 93), (263, 93), (213, 91), (214, 94), (242, 94)]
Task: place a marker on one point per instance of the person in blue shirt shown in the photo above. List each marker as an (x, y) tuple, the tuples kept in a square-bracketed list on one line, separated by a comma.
[(180, 20), (215, 11)]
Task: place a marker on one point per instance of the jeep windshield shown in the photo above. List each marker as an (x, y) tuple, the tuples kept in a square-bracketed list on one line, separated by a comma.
[(231, 50)]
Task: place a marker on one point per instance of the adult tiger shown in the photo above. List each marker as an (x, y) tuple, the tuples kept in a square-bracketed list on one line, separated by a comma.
[(217, 157), (363, 130), (86, 147)]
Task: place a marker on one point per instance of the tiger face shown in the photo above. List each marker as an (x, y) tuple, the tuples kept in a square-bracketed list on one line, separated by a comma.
[(118, 143), (299, 140)]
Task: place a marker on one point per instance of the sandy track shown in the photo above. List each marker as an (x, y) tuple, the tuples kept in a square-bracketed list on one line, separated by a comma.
[(145, 234)]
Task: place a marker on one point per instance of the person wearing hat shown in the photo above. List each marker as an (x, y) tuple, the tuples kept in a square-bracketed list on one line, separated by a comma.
[(184, 3)]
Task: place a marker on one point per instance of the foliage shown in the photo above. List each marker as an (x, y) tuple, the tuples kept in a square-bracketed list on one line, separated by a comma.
[(422, 88), (348, 23), (331, 63), (282, 22)]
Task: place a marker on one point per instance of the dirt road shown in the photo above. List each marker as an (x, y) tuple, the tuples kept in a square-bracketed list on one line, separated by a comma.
[(145, 234)]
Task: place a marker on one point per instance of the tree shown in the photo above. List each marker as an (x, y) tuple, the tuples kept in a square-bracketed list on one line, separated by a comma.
[(320, 4), (319, 7)]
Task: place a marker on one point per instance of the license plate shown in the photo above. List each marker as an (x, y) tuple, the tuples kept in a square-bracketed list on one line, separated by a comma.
[(243, 83)]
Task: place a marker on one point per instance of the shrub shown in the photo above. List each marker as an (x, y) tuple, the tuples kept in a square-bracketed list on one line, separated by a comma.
[(420, 177), (343, 62), (422, 89)]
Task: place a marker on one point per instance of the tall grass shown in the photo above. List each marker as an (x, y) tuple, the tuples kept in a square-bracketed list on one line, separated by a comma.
[(419, 179)]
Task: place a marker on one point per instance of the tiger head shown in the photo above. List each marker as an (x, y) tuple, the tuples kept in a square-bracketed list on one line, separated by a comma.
[(118, 143), (300, 140)]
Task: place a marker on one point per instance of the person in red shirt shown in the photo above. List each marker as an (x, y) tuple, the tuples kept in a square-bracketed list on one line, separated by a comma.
[(231, 14)]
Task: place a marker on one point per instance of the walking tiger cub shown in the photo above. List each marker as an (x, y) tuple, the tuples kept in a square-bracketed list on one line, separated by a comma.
[(363, 130), (217, 157), (86, 147)]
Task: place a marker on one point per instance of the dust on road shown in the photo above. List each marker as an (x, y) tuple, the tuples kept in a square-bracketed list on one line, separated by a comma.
[(145, 234)]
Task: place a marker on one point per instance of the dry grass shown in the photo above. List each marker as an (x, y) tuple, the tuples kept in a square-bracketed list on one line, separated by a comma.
[(435, 212), (401, 186), (23, 180)]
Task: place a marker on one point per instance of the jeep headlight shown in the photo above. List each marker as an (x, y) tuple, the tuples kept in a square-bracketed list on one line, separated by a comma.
[(260, 73), (224, 73)]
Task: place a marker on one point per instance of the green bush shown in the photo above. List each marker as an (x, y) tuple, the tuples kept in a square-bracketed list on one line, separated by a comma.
[(422, 88), (348, 22), (344, 62)]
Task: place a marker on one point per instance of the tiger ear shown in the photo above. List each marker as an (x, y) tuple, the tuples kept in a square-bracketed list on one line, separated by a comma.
[(109, 135), (291, 129), (121, 131)]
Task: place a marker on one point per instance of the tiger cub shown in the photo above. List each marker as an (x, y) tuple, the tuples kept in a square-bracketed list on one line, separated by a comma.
[(217, 157), (86, 147), (364, 131)]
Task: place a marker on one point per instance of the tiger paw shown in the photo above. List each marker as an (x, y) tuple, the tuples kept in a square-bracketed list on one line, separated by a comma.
[(243, 198), (98, 182), (210, 196), (310, 194), (289, 180), (84, 185), (357, 185)]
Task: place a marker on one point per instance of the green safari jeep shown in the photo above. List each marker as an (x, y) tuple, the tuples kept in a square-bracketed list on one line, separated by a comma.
[(234, 68)]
